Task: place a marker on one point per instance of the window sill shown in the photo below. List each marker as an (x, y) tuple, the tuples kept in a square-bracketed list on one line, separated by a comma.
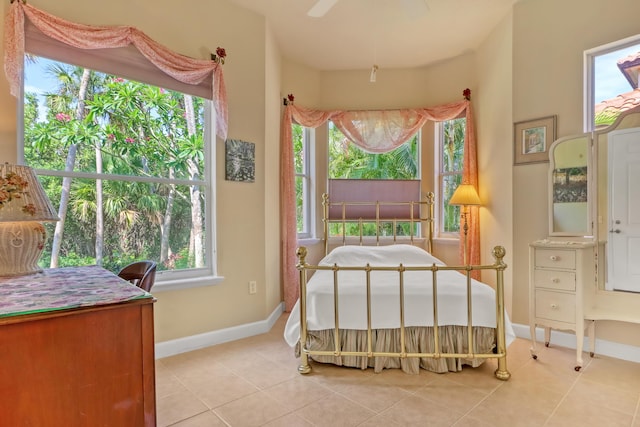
[(309, 241), (186, 283)]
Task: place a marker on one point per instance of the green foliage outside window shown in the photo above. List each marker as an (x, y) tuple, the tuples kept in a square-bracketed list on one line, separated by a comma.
[(451, 171), (91, 123), (348, 161), (297, 136)]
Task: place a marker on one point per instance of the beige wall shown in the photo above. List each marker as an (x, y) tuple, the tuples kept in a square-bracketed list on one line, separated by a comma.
[(492, 108), (549, 38)]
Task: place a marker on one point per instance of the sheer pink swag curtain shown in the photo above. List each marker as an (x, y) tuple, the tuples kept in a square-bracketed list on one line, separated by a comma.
[(373, 131), (182, 68)]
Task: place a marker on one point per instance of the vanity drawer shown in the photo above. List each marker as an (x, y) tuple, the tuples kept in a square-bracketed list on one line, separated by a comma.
[(556, 306), (555, 279), (553, 258)]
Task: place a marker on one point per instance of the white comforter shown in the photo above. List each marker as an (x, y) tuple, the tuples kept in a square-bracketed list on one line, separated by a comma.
[(385, 302)]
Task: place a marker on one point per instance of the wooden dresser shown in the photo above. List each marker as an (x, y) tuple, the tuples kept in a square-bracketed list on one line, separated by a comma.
[(76, 349), (559, 273)]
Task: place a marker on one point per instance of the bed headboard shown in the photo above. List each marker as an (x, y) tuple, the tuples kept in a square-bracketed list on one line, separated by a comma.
[(378, 202)]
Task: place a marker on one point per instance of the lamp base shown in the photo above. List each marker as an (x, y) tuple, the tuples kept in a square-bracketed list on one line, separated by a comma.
[(21, 244)]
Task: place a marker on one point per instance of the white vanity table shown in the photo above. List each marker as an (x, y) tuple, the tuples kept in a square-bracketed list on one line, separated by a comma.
[(561, 275), (568, 269)]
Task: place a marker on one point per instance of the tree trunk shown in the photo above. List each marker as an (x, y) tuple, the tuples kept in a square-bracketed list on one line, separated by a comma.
[(99, 209), (66, 181), (166, 223), (197, 244)]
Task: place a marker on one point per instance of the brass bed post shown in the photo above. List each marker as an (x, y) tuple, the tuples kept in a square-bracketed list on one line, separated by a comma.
[(403, 349), (395, 234), (470, 346), (430, 201), (501, 373), (325, 221), (304, 367), (344, 224), (336, 312), (436, 334), (369, 331), (377, 223), (412, 222)]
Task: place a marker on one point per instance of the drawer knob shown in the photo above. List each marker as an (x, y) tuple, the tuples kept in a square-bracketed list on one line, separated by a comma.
[(554, 306), (555, 280), (554, 258)]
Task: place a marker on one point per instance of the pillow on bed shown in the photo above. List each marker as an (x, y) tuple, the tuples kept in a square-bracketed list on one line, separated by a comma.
[(379, 256)]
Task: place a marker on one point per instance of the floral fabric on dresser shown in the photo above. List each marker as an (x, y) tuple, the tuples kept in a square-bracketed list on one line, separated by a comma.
[(63, 288)]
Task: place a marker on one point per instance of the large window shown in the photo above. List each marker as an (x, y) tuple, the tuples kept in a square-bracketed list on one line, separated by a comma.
[(128, 162), (450, 156), (302, 143), (348, 161), (611, 84)]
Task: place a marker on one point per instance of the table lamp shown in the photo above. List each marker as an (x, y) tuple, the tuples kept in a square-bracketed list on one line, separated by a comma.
[(23, 207), (465, 195)]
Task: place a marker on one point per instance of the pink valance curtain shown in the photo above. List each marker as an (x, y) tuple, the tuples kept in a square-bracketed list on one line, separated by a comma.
[(379, 131), (374, 131), (182, 68)]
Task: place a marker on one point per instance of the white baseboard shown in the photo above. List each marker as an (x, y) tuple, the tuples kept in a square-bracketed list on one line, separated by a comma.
[(565, 339), (195, 342)]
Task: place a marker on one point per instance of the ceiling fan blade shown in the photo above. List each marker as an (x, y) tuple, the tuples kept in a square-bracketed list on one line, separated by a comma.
[(321, 8)]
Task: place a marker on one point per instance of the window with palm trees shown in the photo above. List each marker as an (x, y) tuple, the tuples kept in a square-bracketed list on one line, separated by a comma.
[(301, 138), (451, 155), (125, 163), (348, 161)]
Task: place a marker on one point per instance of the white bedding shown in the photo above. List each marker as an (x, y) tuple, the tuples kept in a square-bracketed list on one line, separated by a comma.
[(385, 305)]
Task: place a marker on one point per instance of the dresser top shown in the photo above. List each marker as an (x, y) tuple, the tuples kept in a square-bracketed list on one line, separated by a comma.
[(64, 288), (568, 244)]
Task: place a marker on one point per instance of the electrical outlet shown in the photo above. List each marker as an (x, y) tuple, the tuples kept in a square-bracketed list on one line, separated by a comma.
[(253, 287)]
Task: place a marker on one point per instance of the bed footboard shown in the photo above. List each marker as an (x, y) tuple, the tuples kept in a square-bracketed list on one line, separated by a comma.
[(499, 352)]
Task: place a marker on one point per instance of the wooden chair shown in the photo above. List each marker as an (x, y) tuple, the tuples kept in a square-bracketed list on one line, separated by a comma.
[(141, 273)]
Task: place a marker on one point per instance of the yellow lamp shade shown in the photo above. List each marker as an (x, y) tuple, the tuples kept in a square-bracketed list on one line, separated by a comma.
[(465, 195)]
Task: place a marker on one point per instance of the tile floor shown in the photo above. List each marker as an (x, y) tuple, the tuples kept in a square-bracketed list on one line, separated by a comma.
[(254, 382)]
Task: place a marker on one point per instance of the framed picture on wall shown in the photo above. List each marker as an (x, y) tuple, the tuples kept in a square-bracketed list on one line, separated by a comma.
[(531, 140), (240, 160)]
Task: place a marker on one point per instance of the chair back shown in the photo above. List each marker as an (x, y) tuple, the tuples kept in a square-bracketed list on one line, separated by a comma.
[(140, 273)]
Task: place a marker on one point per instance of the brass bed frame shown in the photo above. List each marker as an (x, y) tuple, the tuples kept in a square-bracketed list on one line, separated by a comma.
[(498, 266)]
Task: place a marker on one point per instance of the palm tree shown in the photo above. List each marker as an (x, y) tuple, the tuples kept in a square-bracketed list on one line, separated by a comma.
[(75, 86), (133, 129)]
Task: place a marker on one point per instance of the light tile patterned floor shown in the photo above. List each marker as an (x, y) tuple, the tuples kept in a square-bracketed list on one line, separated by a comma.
[(254, 382)]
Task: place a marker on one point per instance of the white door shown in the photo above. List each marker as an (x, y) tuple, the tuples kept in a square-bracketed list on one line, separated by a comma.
[(624, 210)]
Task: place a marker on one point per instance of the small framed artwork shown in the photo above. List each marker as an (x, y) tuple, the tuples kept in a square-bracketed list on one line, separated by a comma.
[(240, 160), (532, 139)]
